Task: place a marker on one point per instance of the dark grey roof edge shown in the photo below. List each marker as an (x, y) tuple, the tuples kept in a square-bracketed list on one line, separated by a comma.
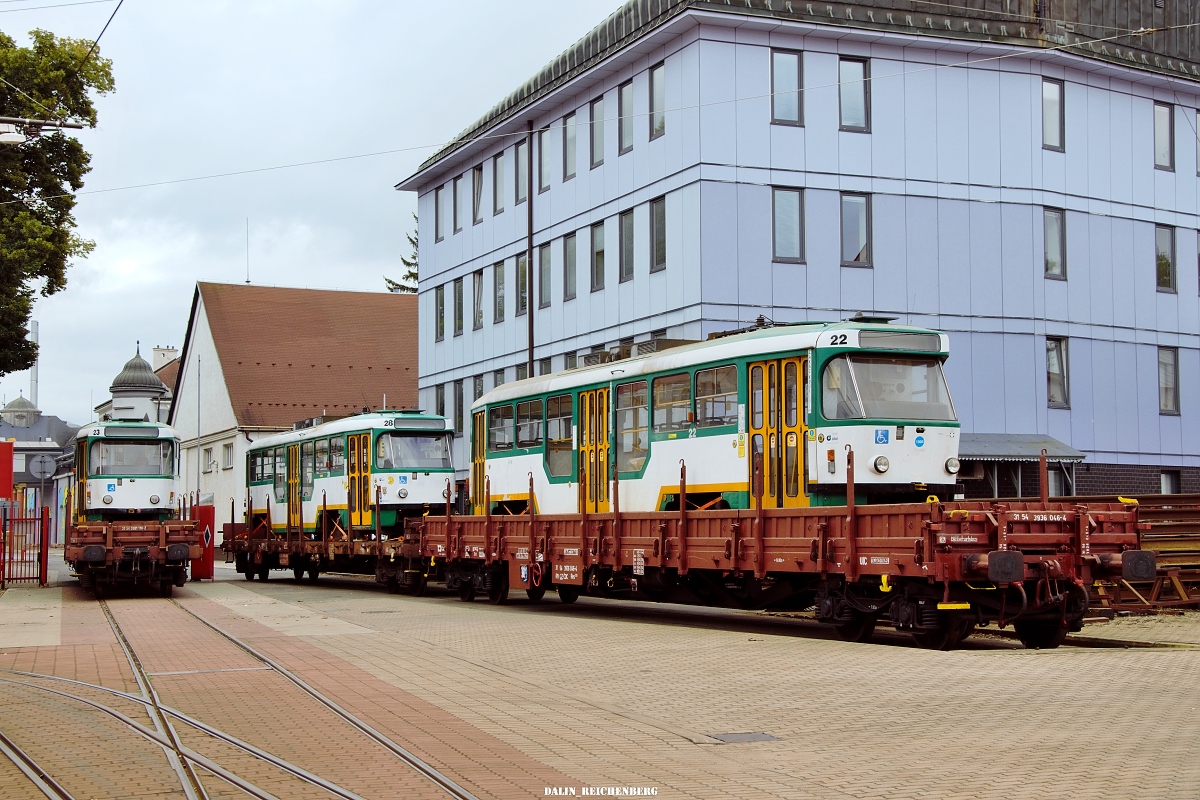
[(638, 18), (1014, 447)]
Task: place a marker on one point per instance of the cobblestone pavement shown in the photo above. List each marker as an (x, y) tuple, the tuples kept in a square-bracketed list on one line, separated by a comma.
[(511, 700)]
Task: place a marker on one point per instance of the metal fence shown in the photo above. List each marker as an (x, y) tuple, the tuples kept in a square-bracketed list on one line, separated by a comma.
[(24, 548)]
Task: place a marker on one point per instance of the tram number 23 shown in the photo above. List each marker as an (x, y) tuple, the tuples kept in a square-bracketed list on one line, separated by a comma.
[(837, 339)]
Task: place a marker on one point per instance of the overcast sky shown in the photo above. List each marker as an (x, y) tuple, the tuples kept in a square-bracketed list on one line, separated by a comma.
[(211, 87)]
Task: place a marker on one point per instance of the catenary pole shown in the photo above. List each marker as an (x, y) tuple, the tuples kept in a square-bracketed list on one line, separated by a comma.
[(530, 299)]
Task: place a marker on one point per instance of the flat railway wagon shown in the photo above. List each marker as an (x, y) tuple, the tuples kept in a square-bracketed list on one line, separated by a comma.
[(723, 473), (125, 526), (320, 496)]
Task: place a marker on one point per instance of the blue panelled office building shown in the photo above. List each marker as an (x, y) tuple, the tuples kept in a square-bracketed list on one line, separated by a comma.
[(1020, 173)]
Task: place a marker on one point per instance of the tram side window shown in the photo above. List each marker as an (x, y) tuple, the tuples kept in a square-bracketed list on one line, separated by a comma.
[(500, 429), (337, 455), (529, 424), (559, 444), (839, 400), (633, 437), (672, 402), (307, 468), (322, 448), (280, 474), (716, 396)]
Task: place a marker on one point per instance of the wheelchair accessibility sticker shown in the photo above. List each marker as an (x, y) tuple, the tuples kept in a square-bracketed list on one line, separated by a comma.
[(881, 436)]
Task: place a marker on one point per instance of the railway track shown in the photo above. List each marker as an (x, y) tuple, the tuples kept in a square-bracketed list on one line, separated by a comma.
[(188, 764)]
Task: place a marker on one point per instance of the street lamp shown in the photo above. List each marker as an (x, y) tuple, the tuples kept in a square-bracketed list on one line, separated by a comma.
[(17, 130)]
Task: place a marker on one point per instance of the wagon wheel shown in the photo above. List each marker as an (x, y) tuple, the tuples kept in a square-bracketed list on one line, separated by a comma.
[(936, 639), (298, 573), (536, 593), (568, 594), (498, 591), (858, 629), (97, 587), (466, 591), (249, 574), (420, 585), (313, 572), (967, 629), (264, 573), (164, 588), (392, 584), (1040, 634)]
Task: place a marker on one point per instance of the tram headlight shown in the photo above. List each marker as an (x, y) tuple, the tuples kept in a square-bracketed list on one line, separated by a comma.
[(107, 499), (402, 493), (952, 465), (154, 499), (882, 464)]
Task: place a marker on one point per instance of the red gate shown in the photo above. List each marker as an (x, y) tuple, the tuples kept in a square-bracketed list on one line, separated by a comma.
[(24, 548)]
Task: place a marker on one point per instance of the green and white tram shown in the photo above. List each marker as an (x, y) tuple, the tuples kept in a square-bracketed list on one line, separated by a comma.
[(353, 478), (798, 396)]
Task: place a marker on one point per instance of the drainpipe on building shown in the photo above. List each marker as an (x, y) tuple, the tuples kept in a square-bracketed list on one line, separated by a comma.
[(531, 300)]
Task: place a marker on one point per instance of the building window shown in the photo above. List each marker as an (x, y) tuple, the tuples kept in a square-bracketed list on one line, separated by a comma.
[(439, 215), (1168, 380), (439, 399), (1058, 386), (568, 147), (1164, 136), (208, 459), (498, 293), (625, 244), (498, 378), (658, 95), (226, 456), (1053, 118), (658, 234), (1056, 242), (522, 371), (477, 299), (856, 230), (477, 194), (543, 160), (854, 77), (597, 132), (786, 108), (455, 198), (1168, 482), (597, 260), (625, 113), (458, 407), (521, 171), (439, 313), (476, 387), (1164, 257), (543, 286), (788, 212), (569, 267), (572, 361), (544, 367), (522, 285), (498, 183), (458, 306)]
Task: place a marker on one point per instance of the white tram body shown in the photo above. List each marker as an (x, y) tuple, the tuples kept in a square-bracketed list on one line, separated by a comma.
[(125, 468), (802, 396), (336, 475)]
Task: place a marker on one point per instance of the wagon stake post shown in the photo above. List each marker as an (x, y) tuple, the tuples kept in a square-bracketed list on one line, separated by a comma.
[(616, 520), (758, 514), (851, 527), (1043, 478), (683, 531), (532, 531)]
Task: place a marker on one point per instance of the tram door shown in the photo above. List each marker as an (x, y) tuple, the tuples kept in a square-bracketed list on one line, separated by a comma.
[(358, 471), (776, 426), (293, 487), (479, 463), (593, 451)]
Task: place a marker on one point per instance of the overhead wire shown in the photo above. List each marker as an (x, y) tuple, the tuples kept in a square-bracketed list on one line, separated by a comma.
[(522, 134), (56, 5)]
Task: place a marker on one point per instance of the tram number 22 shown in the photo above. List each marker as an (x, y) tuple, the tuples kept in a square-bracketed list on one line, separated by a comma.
[(837, 339)]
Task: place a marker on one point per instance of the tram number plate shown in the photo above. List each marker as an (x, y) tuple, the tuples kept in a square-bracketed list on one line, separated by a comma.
[(639, 562)]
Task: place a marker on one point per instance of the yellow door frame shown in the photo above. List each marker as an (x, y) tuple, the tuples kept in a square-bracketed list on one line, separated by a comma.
[(594, 450), (776, 428), (293, 487)]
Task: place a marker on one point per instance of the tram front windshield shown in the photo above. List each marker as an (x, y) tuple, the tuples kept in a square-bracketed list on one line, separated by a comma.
[(885, 387), (120, 457), (413, 451)]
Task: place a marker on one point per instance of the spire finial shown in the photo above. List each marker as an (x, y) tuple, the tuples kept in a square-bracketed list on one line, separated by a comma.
[(139, 347)]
